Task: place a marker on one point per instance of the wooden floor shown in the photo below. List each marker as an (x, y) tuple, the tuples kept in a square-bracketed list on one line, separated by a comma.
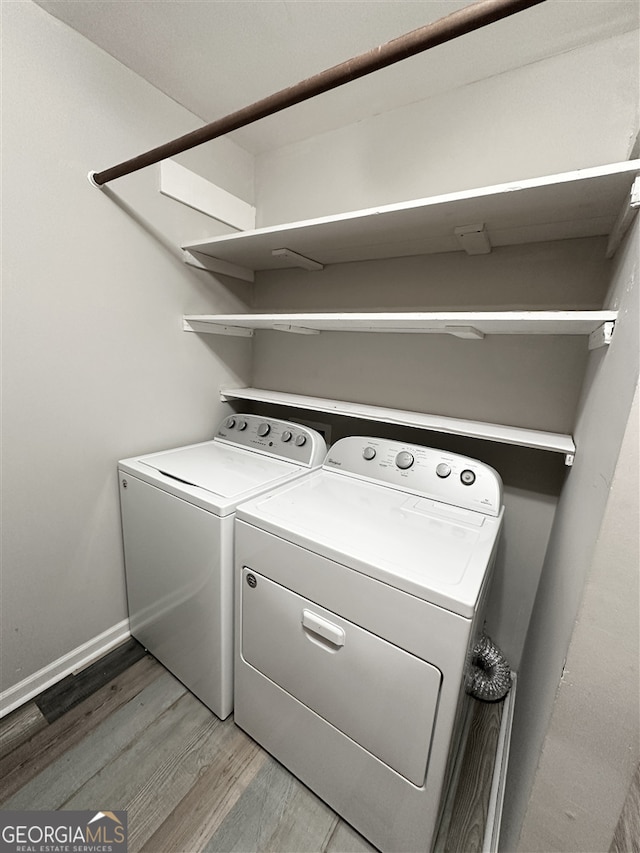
[(125, 734)]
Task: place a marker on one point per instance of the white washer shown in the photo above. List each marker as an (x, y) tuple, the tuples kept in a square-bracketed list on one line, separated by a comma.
[(178, 510), (359, 594)]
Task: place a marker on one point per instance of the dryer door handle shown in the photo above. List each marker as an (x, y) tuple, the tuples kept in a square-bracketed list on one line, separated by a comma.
[(334, 634)]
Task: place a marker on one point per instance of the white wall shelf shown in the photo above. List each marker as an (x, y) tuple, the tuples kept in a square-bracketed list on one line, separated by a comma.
[(536, 439), (583, 203), (463, 324)]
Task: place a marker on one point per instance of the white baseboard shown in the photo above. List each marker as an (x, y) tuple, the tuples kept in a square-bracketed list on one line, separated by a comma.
[(496, 798), (74, 661)]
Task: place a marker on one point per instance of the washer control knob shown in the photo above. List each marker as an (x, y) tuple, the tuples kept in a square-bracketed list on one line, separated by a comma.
[(264, 429), (230, 423), (242, 425), (404, 460), (467, 477), (443, 470), (286, 435), (301, 440), (369, 453)]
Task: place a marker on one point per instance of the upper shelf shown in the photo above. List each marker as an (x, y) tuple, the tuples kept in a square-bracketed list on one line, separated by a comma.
[(583, 203)]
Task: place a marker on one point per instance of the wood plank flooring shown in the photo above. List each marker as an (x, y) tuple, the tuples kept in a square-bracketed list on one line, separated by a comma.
[(125, 734), (465, 831)]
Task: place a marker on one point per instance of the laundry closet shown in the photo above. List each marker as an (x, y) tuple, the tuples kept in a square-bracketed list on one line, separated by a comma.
[(514, 203), (371, 347)]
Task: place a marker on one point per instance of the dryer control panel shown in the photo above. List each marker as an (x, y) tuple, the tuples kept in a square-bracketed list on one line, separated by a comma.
[(282, 439), (424, 471)]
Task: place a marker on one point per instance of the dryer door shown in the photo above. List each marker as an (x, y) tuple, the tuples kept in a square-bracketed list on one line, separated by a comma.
[(379, 695)]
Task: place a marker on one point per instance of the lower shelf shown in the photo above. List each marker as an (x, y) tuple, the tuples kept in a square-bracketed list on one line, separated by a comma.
[(555, 442)]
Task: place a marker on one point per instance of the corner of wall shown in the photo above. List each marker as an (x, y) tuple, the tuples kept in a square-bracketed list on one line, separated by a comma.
[(602, 419)]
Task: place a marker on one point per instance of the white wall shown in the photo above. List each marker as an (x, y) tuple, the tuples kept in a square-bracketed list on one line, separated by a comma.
[(95, 364), (591, 749), (572, 111), (603, 413)]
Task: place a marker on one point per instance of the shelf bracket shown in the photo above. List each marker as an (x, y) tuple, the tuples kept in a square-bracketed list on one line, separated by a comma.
[(296, 330), (473, 239), (194, 191), (216, 329), (297, 260), (468, 333), (601, 337), (205, 262), (569, 459), (625, 218)]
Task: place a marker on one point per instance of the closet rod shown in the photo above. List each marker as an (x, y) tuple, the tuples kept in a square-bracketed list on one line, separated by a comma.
[(445, 29)]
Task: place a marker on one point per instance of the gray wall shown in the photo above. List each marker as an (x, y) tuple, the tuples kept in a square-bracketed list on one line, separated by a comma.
[(95, 364)]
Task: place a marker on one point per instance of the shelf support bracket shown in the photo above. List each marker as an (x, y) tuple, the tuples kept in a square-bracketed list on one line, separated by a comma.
[(296, 330), (473, 239), (625, 218), (601, 337), (205, 262), (468, 333), (297, 260), (194, 191), (569, 459), (216, 329)]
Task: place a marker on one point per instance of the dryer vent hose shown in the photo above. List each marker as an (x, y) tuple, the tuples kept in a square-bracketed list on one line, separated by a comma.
[(488, 675)]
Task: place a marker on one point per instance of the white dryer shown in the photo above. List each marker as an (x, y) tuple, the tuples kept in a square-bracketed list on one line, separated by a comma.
[(178, 511), (359, 593)]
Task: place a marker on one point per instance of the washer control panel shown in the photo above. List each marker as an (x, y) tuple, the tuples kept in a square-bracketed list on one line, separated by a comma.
[(424, 471), (283, 439)]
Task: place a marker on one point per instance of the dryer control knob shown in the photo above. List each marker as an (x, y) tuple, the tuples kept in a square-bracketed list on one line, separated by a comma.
[(242, 425), (230, 423), (404, 460), (286, 435), (369, 453), (468, 477), (264, 429), (443, 470), (301, 440)]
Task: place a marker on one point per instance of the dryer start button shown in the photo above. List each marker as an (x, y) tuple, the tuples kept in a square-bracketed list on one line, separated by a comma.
[(467, 477), (404, 459)]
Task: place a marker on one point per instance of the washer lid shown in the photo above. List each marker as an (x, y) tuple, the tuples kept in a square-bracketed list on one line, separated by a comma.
[(437, 552), (227, 473)]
